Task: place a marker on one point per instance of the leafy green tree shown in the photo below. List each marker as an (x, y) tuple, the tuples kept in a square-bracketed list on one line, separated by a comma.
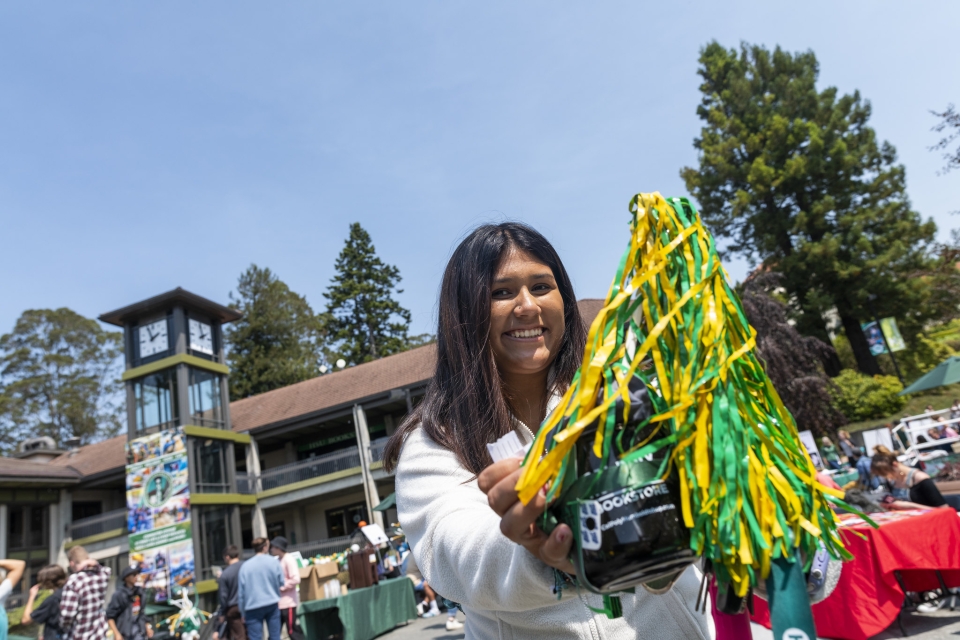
[(60, 378), (792, 361), (364, 321), (277, 342), (795, 178)]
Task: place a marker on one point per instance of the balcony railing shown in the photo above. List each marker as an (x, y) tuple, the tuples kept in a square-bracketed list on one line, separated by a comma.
[(376, 449), (102, 523), (309, 468), (246, 483), (322, 547)]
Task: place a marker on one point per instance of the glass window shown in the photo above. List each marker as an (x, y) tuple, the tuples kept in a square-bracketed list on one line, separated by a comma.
[(155, 400), (27, 527), (210, 457), (205, 398), (215, 536)]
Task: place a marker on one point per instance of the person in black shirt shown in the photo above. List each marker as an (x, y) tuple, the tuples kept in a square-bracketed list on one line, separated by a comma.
[(228, 596), (125, 613), (53, 577), (922, 489)]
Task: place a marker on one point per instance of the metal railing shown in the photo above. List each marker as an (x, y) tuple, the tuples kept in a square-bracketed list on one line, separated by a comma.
[(322, 547), (917, 431), (102, 523), (376, 449), (246, 483), (309, 468)]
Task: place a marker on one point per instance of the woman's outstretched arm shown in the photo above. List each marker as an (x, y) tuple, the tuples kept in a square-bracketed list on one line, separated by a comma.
[(456, 538)]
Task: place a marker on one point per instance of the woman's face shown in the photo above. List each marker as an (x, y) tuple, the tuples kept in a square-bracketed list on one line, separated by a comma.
[(526, 315)]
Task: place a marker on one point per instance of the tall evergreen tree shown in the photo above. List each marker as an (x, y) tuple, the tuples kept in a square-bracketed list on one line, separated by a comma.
[(364, 321), (277, 342), (59, 377), (795, 178)]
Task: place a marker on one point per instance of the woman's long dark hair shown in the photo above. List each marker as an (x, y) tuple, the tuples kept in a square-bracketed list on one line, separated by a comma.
[(465, 407)]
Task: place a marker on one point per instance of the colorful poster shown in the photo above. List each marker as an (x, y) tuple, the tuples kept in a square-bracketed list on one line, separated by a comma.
[(158, 513), (874, 338), (892, 333)]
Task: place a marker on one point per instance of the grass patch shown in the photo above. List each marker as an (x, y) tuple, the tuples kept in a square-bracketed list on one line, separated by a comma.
[(940, 398)]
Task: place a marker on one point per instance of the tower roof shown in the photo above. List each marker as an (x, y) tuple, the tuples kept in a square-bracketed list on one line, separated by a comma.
[(131, 313)]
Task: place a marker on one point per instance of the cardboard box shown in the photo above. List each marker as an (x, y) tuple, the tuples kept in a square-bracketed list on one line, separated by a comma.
[(312, 580)]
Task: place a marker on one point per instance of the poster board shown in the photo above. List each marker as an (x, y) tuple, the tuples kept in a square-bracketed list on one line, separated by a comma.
[(374, 533), (877, 436), (158, 513), (810, 444)]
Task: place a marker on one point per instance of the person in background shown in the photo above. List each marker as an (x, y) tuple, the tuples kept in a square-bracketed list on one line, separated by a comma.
[(846, 445), (829, 452), (125, 613), (955, 410), (258, 592), (866, 480), (428, 607), (81, 603), (921, 487), (51, 577), (14, 569), (228, 596), (289, 598)]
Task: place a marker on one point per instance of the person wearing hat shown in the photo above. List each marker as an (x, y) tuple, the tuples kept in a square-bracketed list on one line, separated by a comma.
[(125, 613), (289, 598)]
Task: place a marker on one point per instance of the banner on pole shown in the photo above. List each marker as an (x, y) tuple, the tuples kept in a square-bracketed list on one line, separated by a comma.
[(158, 513), (874, 338), (892, 333)]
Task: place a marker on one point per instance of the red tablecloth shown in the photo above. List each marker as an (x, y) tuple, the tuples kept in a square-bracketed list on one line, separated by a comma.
[(867, 598)]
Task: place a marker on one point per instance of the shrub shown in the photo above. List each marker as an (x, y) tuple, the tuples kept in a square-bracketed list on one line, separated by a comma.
[(861, 397)]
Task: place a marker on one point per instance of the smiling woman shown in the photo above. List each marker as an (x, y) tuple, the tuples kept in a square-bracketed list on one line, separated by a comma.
[(509, 341)]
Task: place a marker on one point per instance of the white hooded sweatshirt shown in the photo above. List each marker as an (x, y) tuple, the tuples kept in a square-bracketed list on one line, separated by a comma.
[(504, 590)]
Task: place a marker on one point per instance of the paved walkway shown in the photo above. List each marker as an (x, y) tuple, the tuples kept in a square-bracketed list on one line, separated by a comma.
[(940, 625)]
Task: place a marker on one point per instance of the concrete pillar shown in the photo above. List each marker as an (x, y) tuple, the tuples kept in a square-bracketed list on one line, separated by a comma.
[(259, 523), (290, 452), (4, 529), (369, 486), (66, 519), (55, 537)]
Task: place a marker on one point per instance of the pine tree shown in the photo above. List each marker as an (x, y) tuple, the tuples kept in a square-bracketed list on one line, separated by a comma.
[(363, 319), (277, 342), (59, 377), (795, 178)]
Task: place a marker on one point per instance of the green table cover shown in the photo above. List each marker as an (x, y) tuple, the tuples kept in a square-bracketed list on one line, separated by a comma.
[(362, 613), (845, 476)]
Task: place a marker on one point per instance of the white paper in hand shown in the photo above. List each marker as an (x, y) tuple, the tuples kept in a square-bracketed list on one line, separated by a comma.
[(507, 447)]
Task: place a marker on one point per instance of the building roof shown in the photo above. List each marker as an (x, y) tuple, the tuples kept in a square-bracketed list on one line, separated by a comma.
[(94, 458), (334, 389), (28, 472), (132, 312), (314, 396)]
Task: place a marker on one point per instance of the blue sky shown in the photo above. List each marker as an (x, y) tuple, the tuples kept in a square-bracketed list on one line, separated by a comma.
[(145, 146)]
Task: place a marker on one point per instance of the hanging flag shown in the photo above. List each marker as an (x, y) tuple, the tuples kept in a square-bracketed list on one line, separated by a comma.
[(892, 333), (874, 338)]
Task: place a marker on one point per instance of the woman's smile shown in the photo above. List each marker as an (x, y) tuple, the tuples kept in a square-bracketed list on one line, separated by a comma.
[(526, 315)]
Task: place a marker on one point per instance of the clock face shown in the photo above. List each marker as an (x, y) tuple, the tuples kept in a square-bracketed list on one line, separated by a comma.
[(201, 337), (153, 338)]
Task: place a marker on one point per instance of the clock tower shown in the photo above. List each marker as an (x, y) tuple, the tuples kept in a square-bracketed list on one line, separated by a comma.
[(181, 450)]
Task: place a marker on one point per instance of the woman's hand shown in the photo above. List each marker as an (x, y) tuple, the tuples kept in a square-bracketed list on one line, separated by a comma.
[(518, 521)]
